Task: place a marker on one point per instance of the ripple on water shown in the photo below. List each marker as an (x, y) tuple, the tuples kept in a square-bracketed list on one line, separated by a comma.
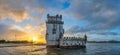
[(91, 49)]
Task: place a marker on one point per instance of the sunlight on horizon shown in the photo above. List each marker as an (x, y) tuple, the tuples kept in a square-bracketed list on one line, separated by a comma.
[(37, 39)]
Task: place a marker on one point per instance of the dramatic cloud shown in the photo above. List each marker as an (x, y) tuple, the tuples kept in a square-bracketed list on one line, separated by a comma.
[(39, 29), (20, 10), (107, 33), (97, 14), (8, 32), (13, 34), (99, 17), (3, 28)]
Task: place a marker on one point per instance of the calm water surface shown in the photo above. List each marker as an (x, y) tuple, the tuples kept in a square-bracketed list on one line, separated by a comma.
[(91, 49)]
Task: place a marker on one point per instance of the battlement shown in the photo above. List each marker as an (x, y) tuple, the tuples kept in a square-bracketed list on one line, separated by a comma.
[(54, 19), (56, 16), (73, 38)]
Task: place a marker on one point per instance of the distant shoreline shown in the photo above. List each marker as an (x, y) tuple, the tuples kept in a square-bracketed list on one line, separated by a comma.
[(20, 42), (16, 45), (103, 41), (26, 42)]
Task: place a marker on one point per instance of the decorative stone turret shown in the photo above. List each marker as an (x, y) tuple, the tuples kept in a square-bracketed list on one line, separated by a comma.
[(55, 31)]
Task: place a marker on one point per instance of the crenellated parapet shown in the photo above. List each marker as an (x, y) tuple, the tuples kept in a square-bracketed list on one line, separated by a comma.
[(56, 16), (57, 19), (72, 38)]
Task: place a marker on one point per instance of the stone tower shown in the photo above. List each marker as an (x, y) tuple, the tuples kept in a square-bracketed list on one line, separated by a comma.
[(54, 30)]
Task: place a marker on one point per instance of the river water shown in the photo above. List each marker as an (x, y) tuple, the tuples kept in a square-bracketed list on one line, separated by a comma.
[(91, 49)]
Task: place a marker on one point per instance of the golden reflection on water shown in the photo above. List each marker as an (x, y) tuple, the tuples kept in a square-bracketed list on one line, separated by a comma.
[(34, 50), (24, 50), (91, 49)]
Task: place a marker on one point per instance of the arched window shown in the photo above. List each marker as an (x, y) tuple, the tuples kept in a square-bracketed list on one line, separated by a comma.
[(75, 44), (54, 31), (66, 43), (77, 41), (60, 35)]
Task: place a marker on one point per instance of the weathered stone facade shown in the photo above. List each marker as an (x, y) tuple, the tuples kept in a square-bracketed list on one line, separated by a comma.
[(55, 32)]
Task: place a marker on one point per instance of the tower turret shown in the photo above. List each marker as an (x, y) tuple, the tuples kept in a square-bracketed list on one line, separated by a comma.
[(54, 29)]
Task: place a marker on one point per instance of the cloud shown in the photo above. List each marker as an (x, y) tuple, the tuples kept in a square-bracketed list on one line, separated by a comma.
[(19, 10), (3, 28), (39, 29), (97, 15), (107, 33), (77, 30), (14, 32), (9, 32)]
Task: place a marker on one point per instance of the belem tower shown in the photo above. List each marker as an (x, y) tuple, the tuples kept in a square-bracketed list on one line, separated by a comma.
[(55, 34)]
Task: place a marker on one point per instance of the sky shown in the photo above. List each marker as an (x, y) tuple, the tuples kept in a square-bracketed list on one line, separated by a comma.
[(22, 19)]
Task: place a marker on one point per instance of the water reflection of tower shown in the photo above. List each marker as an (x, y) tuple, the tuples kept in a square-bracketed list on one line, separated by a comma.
[(55, 51)]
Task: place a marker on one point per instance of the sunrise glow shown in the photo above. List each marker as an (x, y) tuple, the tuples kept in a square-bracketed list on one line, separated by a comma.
[(36, 39)]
